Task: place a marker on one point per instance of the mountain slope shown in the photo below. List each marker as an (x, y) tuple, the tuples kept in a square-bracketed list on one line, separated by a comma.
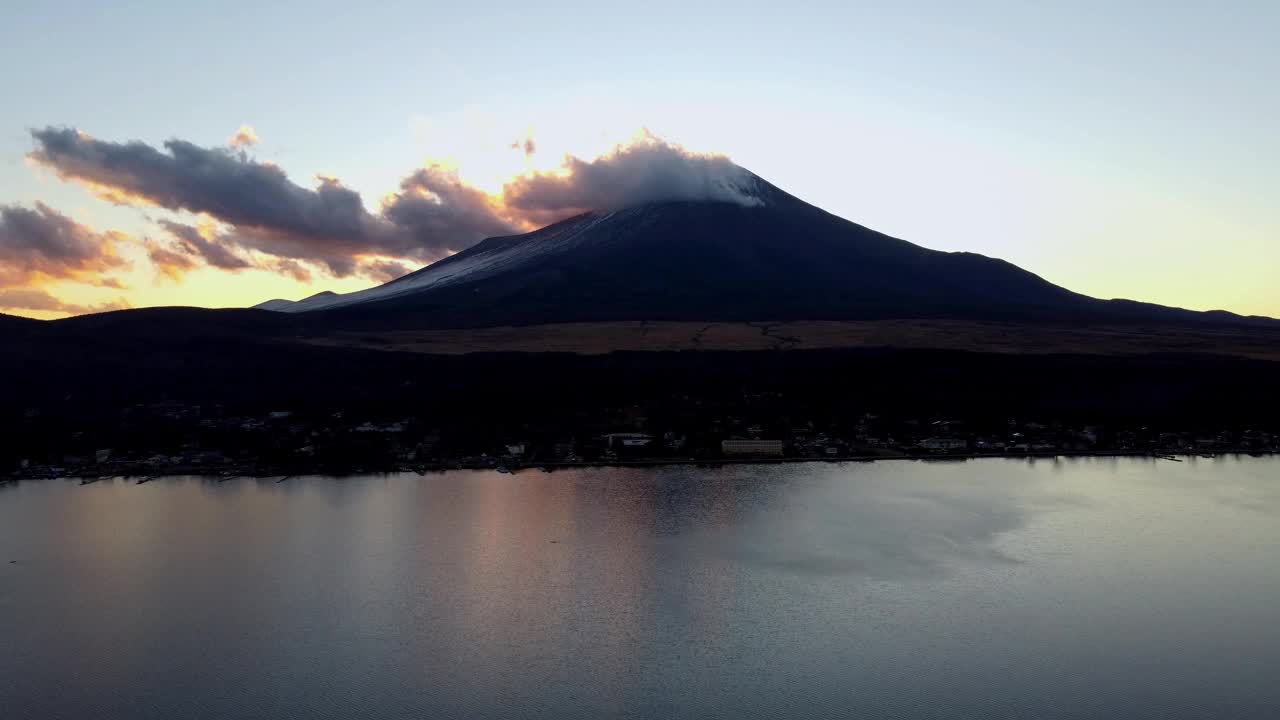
[(310, 302), (13, 321), (780, 259)]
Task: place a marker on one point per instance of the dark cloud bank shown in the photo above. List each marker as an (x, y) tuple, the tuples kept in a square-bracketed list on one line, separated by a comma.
[(42, 243), (431, 215), (39, 245)]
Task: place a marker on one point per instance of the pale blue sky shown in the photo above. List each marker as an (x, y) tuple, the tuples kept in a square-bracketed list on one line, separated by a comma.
[(1120, 149)]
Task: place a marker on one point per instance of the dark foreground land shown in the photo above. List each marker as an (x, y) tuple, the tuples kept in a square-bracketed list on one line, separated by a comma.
[(232, 398)]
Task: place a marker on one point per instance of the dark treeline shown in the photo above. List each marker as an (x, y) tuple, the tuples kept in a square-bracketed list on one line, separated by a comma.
[(74, 394)]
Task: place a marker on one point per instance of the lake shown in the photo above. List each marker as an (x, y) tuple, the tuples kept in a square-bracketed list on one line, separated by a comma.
[(1072, 588)]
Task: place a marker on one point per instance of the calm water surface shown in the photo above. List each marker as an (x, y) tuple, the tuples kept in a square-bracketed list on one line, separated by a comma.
[(983, 589)]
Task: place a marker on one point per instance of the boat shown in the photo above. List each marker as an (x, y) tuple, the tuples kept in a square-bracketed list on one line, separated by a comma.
[(504, 469)]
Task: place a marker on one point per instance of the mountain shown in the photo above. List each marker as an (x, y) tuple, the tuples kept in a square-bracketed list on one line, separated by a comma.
[(14, 321), (769, 308), (320, 299), (777, 258)]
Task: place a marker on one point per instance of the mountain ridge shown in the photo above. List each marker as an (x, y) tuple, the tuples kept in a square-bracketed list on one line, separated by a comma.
[(778, 258)]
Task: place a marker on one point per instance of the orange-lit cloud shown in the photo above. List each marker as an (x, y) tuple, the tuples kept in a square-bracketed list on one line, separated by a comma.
[(29, 299), (263, 210), (41, 244), (646, 170), (292, 268), (170, 263), (258, 217), (244, 137), (204, 242), (444, 213), (384, 270)]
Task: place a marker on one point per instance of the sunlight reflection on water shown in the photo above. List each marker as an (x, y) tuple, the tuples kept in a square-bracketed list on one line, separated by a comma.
[(993, 588)]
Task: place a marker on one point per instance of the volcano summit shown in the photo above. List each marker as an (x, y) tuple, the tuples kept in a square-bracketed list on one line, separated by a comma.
[(753, 254)]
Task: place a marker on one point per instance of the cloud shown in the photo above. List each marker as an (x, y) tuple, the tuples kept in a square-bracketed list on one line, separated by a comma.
[(42, 243), (190, 247), (257, 198), (37, 299), (267, 212), (292, 268), (244, 137), (444, 213), (384, 270), (215, 253), (646, 171), (526, 146), (265, 219), (170, 263)]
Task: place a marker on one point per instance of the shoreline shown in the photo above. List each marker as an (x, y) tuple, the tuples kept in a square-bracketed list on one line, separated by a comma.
[(284, 474)]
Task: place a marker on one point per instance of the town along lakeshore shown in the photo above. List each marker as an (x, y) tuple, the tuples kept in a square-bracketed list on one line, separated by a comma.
[(296, 411)]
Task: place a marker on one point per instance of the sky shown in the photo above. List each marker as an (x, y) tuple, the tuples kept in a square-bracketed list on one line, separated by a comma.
[(157, 153)]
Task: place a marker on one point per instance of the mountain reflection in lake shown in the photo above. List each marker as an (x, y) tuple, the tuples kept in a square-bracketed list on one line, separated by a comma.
[(994, 588)]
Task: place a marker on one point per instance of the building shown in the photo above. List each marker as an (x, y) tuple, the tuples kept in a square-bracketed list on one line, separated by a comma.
[(751, 447), (943, 443), (627, 440)]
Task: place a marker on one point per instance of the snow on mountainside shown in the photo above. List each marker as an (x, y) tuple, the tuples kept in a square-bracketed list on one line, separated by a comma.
[(278, 304), (310, 302), (765, 255), (481, 260), (762, 251), (502, 254)]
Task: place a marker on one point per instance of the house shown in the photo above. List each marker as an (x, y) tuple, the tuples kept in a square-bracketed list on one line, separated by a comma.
[(627, 440)]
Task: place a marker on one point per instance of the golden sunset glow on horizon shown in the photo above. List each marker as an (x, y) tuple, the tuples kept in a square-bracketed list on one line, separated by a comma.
[(282, 202), (488, 158)]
